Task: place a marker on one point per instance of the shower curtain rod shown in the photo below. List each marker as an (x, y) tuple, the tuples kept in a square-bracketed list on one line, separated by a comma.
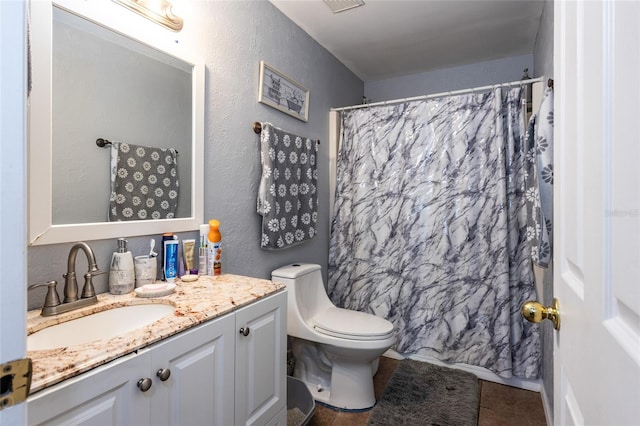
[(439, 95)]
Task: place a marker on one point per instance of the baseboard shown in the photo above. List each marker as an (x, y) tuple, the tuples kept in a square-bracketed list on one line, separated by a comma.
[(481, 373), (547, 404)]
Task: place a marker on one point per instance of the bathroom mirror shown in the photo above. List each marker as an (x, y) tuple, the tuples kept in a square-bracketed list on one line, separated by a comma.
[(92, 81)]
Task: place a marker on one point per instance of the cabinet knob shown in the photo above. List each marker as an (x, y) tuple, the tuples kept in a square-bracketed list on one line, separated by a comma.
[(144, 384), (244, 331), (163, 374)]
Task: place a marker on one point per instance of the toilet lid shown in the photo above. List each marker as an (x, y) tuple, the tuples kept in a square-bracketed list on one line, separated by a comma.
[(347, 324)]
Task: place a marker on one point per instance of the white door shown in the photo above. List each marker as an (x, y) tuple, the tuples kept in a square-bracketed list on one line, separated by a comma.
[(13, 242), (597, 212)]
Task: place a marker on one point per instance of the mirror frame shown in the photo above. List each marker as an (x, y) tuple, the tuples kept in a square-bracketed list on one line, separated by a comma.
[(41, 228)]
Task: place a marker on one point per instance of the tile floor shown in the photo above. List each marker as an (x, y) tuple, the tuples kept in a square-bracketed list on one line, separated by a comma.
[(500, 405)]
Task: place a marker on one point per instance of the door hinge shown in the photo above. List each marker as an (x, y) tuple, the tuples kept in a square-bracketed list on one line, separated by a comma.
[(15, 382)]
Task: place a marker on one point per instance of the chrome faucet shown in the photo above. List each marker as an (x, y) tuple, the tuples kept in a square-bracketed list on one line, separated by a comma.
[(52, 305)]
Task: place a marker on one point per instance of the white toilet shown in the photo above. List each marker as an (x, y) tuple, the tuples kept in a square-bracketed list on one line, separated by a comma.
[(336, 350)]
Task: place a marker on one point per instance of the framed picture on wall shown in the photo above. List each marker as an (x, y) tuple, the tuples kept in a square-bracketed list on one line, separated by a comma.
[(283, 93)]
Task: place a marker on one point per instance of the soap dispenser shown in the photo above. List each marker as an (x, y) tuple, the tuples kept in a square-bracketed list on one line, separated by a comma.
[(122, 277)]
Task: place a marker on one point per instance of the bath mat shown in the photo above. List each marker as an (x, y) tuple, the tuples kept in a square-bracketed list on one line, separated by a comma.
[(419, 393)]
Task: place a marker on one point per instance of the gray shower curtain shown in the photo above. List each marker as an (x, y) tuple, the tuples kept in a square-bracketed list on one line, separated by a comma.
[(429, 232)]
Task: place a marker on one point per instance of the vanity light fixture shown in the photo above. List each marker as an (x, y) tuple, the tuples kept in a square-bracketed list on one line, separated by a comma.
[(342, 5), (158, 11)]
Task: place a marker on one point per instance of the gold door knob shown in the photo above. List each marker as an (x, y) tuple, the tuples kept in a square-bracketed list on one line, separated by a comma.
[(536, 312)]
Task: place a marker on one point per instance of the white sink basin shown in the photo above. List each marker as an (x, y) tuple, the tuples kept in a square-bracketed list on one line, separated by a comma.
[(99, 326)]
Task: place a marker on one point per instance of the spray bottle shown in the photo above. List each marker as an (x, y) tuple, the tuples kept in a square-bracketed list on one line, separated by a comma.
[(214, 245)]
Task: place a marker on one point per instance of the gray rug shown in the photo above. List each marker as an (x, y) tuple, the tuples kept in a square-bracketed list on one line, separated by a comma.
[(419, 393)]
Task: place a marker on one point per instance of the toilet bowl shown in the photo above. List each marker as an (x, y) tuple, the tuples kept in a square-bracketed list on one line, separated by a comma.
[(336, 350)]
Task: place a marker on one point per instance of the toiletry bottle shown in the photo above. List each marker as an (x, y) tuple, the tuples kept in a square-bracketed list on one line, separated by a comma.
[(214, 243), (122, 277), (202, 258), (189, 256), (171, 262), (202, 250), (167, 236)]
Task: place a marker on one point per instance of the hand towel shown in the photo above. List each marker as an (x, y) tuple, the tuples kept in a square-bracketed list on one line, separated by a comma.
[(144, 182), (539, 182), (288, 195)]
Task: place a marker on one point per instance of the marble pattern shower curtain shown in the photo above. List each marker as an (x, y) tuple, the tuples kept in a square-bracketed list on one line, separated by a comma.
[(428, 230)]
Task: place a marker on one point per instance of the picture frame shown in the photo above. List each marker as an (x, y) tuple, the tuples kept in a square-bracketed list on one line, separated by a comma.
[(283, 93)]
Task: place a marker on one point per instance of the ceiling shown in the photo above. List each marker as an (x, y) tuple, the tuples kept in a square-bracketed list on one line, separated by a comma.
[(390, 38)]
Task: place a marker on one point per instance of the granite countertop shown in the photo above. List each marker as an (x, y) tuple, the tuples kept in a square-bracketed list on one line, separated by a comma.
[(195, 302)]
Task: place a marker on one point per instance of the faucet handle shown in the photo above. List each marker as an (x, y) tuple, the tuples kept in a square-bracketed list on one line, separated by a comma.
[(88, 290), (52, 298)]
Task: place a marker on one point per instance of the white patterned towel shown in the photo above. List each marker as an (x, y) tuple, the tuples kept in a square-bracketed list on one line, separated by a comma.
[(144, 182), (288, 196), (539, 182)]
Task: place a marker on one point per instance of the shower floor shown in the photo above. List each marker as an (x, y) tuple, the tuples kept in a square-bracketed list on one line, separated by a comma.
[(499, 404)]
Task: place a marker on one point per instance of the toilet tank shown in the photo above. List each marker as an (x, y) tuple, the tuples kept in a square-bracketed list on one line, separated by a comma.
[(306, 295), (295, 270)]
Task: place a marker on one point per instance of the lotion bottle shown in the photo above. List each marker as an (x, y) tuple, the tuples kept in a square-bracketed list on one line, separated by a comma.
[(122, 276)]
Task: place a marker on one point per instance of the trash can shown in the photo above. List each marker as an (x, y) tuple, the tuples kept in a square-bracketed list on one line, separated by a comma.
[(300, 403)]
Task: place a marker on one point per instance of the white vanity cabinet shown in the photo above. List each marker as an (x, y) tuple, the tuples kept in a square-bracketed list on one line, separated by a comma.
[(191, 378), (106, 395), (260, 366), (230, 370)]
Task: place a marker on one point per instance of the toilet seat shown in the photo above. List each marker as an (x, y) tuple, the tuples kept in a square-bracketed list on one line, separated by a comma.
[(352, 325)]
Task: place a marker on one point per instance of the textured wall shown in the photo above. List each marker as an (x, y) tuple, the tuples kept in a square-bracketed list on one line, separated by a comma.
[(457, 78), (232, 37), (543, 51)]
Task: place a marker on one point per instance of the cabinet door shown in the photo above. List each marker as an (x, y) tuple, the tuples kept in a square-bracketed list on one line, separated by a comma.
[(261, 360), (107, 395), (280, 419), (199, 389)]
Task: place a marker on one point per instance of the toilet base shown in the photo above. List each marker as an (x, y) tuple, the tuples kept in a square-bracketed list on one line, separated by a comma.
[(337, 377), (342, 410)]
